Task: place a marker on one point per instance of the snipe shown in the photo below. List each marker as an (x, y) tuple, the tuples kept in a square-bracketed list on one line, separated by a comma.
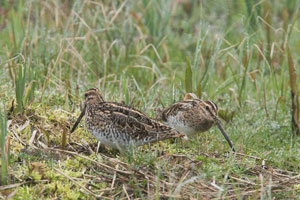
[(119, 126), (192, 116)]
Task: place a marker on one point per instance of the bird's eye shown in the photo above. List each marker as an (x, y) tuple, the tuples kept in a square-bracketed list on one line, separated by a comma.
[(85, 95), (207, 107)]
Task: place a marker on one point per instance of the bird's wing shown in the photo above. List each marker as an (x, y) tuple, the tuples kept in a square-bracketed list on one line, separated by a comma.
[(127, 120)]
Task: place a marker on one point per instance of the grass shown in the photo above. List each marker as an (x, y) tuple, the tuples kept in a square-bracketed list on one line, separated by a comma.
[(243, 55), (4, 149)]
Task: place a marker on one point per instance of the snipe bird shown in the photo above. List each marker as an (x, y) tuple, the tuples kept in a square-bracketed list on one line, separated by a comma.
[(119, 126), (192, 116)]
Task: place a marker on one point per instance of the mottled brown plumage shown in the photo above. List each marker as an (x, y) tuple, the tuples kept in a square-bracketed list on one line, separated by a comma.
[(192, 116), (119, 126)]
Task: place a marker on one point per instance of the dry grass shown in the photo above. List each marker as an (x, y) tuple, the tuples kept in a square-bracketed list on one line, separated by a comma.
[(106, 175)]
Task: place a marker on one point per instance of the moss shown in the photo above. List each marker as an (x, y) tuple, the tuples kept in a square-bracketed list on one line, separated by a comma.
[(76, 163), (64, 190), (25, 193), (74, 174), (36, 176), (51, 175)]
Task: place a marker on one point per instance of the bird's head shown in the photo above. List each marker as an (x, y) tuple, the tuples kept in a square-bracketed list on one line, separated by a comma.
[(93, 96), (212, 110)]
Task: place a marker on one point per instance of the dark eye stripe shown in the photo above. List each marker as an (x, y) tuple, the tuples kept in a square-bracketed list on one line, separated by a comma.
[(213, 105), (216, 106), (100, 97)]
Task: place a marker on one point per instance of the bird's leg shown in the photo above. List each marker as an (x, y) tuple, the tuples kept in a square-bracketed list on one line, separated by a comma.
[(184, 141)]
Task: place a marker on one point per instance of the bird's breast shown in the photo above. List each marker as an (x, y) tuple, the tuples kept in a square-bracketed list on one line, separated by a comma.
[(189, 124)]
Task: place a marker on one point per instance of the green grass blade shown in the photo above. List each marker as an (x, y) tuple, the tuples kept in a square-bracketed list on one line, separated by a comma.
[(125, 89), (188, 76), (20, 87), (4, 159)]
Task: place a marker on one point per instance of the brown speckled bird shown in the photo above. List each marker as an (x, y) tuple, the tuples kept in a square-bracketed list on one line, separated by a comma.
[(119, 126), (192, 116)]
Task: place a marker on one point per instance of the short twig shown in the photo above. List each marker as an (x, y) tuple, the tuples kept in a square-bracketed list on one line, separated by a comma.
[(125, 191), (254, 157), (114, 178), (5, 187), (76, 183), (108, 168), (15, 134), (243, 180)]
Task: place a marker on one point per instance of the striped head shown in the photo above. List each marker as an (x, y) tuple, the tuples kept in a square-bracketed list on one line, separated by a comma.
[(93, 96), (207, 109), (198, 115), (210, 109)]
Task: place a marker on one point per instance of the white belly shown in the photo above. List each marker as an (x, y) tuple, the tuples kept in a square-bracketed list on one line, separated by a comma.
[(111, 141), (177, 124)]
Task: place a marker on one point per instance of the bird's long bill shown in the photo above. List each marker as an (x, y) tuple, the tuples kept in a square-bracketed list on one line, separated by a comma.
[(225, 135), (78, 120)]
